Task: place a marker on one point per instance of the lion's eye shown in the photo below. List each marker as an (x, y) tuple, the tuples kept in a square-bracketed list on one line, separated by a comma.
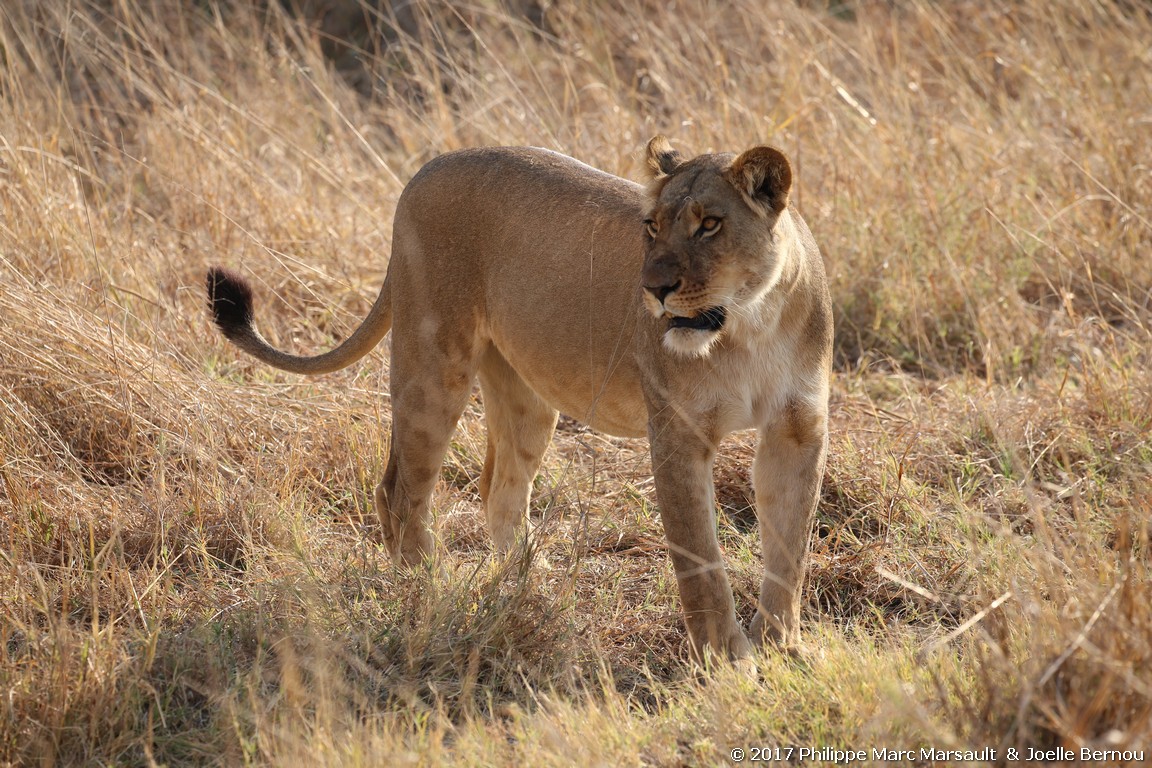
[(651, 228), (709, 226)]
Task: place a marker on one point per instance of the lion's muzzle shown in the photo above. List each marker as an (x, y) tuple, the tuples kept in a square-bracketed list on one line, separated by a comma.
[(711, 319)]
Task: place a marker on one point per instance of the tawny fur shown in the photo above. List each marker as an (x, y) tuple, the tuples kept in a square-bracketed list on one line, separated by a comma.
[(683, 311)]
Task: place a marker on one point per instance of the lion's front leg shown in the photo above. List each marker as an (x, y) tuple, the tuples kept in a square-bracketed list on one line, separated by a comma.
[(787, 472), (682, 466)]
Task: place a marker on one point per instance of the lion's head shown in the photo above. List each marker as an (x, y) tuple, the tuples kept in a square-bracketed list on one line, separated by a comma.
[(713, 247)]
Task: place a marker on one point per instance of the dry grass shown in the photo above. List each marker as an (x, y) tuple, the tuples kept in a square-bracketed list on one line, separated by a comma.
[(188, 568)]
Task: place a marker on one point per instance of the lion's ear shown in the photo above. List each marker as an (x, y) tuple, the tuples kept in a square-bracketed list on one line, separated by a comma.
[(662, 158), (764, 178)]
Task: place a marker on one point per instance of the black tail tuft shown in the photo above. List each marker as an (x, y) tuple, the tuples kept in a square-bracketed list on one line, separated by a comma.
[(230, 299)]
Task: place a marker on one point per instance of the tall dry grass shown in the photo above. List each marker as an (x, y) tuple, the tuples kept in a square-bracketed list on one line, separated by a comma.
[(188, 567)]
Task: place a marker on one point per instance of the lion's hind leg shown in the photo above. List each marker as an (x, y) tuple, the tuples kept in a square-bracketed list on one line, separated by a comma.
[(430, 388), (520, 426)]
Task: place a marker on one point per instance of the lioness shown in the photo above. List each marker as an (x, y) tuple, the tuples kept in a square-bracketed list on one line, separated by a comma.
[(684, 311)]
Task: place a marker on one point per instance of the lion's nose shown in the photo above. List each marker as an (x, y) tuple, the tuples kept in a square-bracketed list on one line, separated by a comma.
[(661, 291)]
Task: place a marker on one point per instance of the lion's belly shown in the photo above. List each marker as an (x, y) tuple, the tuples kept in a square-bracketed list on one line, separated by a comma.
[(566, 322), (614, 408), (594, 382)]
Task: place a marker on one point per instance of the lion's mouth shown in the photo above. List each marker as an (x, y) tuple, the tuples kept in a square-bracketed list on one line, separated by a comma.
[(711, 319)]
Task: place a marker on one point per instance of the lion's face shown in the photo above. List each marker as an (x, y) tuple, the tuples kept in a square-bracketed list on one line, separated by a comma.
[(712, 250)]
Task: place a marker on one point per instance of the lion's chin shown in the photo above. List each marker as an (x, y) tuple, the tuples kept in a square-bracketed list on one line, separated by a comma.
[(694, 336), (690, 342)]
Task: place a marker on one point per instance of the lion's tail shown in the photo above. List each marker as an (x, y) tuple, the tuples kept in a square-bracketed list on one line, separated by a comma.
[(230, 299)]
